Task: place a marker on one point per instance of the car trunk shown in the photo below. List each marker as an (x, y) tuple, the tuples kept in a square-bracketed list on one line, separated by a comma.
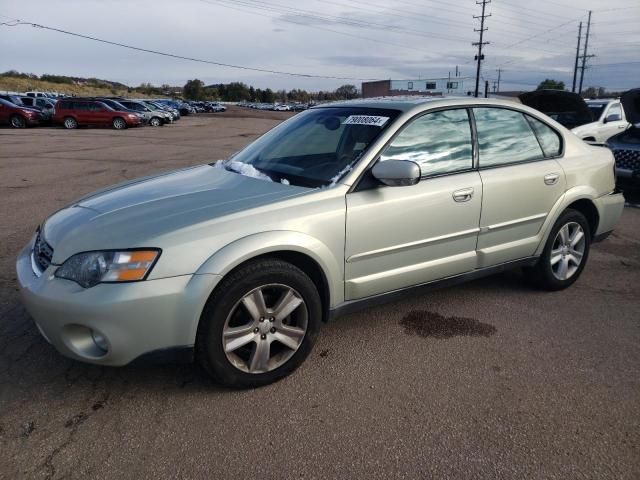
[(566, 108)]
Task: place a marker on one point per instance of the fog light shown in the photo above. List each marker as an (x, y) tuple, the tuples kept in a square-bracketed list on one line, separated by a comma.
[(100, 341)]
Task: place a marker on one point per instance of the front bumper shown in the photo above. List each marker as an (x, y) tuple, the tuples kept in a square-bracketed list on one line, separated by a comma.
[(134, 318)]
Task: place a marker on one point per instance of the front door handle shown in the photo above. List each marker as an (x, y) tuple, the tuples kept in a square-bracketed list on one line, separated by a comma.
[(463, 195), (551, 178)]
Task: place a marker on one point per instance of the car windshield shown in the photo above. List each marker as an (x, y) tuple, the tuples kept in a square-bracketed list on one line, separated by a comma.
[(314, 148), (596, 110)]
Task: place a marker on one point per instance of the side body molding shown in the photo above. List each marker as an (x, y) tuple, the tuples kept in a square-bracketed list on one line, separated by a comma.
[(243, 249)]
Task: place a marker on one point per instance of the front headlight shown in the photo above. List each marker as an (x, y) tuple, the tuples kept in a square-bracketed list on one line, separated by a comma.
[(91, 268)]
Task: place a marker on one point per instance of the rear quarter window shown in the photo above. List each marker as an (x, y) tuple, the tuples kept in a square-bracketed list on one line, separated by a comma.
[(549, 139)]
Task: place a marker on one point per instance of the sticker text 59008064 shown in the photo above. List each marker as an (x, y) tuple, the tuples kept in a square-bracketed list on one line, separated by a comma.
[(366, 120)]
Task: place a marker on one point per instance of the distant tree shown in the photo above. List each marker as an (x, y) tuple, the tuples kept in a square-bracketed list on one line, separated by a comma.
[(193, 89), (267, 96), (601, 92), (347, 92), (549, 84), (590, 92), (252, 94)]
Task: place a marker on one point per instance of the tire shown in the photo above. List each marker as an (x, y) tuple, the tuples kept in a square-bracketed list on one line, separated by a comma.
[(18, 121), (119, 123), (230, 307), (561, 264), (155, 122), (70, 123)]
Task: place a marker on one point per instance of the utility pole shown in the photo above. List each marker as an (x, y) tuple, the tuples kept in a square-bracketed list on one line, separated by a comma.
[(481, 43), (575, 68), (584, 55), (499, 72), (486, 89)]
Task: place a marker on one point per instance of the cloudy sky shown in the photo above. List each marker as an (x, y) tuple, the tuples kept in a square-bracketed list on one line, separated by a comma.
[(360, 39)]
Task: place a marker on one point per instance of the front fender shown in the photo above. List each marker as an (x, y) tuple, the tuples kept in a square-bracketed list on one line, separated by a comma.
[(251, 246)]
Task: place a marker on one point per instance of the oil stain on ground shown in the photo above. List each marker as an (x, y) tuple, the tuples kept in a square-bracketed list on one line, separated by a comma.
[(434, 325)]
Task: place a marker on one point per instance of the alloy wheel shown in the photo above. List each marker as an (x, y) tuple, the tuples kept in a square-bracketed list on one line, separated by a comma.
[(265, 328), (155, 122), (567, 251), (119, 124), (17, 121), (70, 123)]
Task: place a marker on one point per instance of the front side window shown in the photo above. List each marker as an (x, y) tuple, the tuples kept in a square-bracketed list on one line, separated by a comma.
[(440, 142), (504, 137), (549, 139), (615, 110), (315, 148)]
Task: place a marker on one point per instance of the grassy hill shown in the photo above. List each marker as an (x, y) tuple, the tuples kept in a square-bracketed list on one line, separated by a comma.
[(18, 82)]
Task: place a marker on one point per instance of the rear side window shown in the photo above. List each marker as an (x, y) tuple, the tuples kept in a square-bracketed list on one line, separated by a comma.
[(549, 139), (504, 137), (440, 142)]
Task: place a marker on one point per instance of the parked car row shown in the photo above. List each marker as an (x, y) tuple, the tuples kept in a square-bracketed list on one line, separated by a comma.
[(278, 107), (35, 108)]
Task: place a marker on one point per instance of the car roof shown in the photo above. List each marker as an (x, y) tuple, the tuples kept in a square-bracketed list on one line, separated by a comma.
[(408, 103)]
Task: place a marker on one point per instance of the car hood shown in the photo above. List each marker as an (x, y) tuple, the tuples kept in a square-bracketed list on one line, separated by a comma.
[(631, 103), (567, 108), (131, 214)]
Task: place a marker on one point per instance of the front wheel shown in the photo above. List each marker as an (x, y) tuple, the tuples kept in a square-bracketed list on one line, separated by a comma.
[(119, 123), (155, 122), (18, 121), (259, 325), (565, 253), (70, 123)]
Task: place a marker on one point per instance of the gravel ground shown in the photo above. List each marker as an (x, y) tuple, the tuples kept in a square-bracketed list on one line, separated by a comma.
[(486, 380)]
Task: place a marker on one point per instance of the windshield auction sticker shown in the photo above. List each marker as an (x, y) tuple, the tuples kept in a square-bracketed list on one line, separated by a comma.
[(366, 120)]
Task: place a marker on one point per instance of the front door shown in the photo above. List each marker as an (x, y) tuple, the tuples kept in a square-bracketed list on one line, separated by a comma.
[(397, 237), (521, 181), (614, 123)]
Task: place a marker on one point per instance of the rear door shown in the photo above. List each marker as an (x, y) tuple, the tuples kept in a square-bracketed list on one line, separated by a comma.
[(397, 237), (521, 182)]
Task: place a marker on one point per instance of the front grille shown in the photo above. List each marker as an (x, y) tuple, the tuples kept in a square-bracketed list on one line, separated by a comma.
[(627, 159), (42, 252)]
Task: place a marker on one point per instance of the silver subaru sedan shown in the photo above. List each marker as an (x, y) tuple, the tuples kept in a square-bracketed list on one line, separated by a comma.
[(237, 263)]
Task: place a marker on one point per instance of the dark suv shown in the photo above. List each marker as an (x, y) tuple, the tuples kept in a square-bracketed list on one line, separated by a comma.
[(626, 145), (75, 112)]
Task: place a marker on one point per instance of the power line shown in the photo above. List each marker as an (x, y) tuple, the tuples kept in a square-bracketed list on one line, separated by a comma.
[(181, 57)]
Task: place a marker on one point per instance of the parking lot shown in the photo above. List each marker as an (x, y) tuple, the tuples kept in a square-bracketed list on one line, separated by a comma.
[(487, 380)]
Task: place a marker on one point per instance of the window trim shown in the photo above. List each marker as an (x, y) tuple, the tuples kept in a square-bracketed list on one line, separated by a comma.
[(520, 162)]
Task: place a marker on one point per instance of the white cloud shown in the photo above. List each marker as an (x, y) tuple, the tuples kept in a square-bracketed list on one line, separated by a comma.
[(407, 38)]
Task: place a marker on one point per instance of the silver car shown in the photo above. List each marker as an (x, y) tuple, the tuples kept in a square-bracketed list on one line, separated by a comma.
[(239, 262)]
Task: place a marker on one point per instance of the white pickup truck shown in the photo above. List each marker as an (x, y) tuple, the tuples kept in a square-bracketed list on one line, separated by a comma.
[(609, 120)]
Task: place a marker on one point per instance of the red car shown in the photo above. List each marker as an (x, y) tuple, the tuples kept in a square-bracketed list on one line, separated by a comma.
[(75, 112), (17, 116)]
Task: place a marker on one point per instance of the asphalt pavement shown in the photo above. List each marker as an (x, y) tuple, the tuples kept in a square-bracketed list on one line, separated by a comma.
[(486, 380)]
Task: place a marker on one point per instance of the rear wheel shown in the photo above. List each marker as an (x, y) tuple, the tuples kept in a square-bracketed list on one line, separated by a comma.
[(565, 254), (18, 121), (259, 325), (155, 122), (119, 123), (70, 123)]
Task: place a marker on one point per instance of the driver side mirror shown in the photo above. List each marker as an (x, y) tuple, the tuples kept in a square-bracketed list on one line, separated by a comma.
[(397, 173), (613, 118)]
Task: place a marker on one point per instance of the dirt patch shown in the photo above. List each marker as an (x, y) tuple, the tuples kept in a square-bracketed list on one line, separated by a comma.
[(434, 325)]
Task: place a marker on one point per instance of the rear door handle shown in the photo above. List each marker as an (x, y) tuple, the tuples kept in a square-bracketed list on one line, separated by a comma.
[(463, 195), (551, 178)]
